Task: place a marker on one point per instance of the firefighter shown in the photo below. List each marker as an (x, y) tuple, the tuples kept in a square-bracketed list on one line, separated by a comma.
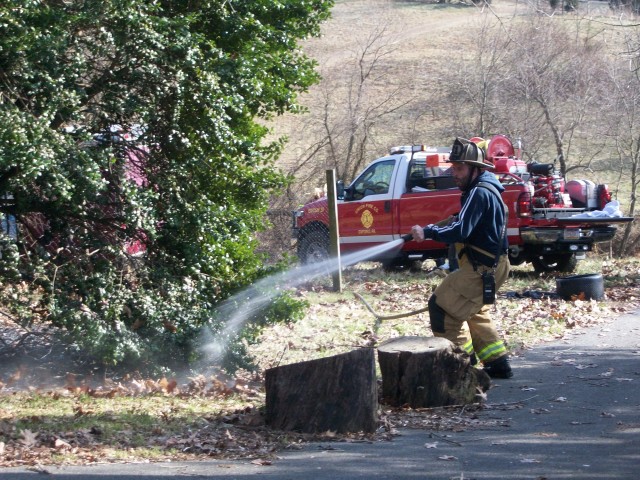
[(479, 234)]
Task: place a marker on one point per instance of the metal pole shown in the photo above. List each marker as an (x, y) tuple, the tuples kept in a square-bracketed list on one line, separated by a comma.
[(334, 231)]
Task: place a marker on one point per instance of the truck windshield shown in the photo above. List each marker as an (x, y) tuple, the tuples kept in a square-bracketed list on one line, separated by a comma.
[(375, 180)]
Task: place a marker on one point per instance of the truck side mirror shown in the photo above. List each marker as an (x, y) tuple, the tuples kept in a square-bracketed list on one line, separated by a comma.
[(340, 190), (348, 194)]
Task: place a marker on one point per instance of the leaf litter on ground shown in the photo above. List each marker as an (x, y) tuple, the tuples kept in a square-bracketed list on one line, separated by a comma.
[(82, 420)]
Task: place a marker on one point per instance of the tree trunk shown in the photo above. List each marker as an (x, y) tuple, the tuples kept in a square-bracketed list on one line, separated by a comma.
[(337, 394), (428, 372)]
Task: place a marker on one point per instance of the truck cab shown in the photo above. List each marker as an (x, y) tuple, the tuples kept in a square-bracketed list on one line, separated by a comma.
[(381, 203)]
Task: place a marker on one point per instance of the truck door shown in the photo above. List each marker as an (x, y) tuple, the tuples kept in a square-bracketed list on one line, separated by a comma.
[(430, 197), (366, 214)]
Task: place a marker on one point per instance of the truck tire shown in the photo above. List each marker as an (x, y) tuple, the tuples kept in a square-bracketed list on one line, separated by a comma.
[(589, 286), (554, 263), (415, 266), (400, 263), (313, 247), (393, 264)]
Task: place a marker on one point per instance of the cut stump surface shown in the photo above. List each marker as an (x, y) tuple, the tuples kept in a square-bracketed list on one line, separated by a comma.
[(428, 372)]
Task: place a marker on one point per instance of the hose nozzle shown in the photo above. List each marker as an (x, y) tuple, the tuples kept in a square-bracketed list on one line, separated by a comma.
[(408, 237)]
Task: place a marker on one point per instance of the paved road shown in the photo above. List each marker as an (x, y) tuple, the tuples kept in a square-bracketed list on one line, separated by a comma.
[(571, 411)]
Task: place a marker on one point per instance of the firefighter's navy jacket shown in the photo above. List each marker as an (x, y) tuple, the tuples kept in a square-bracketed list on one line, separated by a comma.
[(480, 221)]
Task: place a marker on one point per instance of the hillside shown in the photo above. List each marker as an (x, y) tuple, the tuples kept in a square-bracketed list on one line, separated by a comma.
[(385, 64), (415, 42)]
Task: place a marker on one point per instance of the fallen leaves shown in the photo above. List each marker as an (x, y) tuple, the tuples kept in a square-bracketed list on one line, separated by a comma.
[(29, 447), (454, 418), (200, 385), (60, 444), (157, 421), (540, 411), (113, 435)]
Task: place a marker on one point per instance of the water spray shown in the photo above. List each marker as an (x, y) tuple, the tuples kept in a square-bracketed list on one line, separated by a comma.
[(241, 307)]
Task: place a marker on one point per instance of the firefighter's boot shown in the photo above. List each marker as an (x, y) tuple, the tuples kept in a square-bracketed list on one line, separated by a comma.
[(473, 360), (499, 368)]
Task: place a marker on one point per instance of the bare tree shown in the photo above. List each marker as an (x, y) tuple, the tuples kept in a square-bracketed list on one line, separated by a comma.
[(347, 126), (483, 88), (473, 87), (534, 77), (557, 73), (623, 132)]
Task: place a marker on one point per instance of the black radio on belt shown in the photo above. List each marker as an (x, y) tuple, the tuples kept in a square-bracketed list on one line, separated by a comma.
[(488, 288)]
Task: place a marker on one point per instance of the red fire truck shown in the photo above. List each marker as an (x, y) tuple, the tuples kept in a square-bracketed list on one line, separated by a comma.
[(552, 223)]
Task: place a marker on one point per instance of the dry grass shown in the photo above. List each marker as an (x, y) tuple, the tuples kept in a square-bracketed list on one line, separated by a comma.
[(139, 419), (340, 322)]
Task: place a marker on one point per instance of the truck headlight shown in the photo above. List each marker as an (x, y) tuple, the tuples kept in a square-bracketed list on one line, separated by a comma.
[(296, 214)]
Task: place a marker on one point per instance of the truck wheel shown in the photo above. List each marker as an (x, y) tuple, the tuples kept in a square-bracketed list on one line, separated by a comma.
[(313, 247), (400, 263), (392, 264), (415, 266), (554, 263)]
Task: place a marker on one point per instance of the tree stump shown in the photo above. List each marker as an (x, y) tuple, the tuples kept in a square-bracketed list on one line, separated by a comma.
[(428, 372), (337, 394)]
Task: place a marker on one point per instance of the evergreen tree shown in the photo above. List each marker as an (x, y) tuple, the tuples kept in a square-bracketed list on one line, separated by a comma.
[(139, 123)]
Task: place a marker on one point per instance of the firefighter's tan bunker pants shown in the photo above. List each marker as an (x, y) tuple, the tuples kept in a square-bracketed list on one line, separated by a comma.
[(458, 299)]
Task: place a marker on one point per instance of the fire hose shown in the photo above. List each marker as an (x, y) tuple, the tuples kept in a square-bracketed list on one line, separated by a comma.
[(379, 318)]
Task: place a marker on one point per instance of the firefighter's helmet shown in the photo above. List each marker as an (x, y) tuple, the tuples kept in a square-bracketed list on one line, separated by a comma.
[(467, 151)]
